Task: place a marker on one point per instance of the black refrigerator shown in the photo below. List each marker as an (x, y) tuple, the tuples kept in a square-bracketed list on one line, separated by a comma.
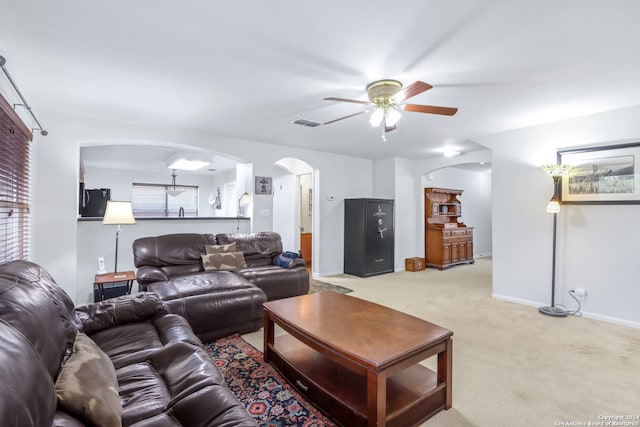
[(93, 202), (368, 237)]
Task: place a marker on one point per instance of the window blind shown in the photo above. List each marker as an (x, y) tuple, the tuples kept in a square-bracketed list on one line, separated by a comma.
[(15, 185), (152, 200)]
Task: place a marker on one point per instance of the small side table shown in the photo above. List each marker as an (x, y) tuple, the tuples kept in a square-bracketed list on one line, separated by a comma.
[(114, 290)]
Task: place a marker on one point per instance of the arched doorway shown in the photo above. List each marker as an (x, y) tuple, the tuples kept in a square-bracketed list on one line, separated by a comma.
[(475, 180), (293, 206)]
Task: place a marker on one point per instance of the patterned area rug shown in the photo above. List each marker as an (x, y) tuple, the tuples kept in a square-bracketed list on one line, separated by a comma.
[(317, 286), (263, 391)]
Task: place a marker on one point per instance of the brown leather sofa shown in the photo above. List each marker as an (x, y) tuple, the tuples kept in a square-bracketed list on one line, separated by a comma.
[(155, 372), (217, 303)]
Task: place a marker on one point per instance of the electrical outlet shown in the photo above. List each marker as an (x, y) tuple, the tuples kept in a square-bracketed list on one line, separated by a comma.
[(101, 269), (579, 292)]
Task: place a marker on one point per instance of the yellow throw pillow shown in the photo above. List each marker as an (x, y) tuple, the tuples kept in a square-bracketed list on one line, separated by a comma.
[(87, 387), (218, 249), (226, 261)]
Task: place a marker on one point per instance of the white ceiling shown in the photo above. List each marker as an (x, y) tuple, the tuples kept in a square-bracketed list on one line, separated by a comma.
[(246, 69)]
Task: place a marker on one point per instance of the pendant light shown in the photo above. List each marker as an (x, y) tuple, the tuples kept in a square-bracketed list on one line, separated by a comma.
[(172, 191)]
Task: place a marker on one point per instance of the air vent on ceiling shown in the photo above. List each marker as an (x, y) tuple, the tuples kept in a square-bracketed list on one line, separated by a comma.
[(305, 122)]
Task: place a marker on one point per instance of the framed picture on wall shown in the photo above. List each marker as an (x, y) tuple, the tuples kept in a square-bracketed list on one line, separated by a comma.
[(601, 175), (264, 185)]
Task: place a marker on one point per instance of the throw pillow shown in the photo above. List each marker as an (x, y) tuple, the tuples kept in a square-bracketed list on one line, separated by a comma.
[(218, 249), (223, 261), (87, 387)]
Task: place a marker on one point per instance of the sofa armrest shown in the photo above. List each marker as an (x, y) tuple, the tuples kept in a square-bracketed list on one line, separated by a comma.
[(149, 274), (92, 318), (286, 262), (298, 262)]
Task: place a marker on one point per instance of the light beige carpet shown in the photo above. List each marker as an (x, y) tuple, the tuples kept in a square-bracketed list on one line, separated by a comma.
[(511, 365)]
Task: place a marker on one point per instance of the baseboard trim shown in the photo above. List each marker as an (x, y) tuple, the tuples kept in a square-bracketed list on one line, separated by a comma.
[(483, 255), (609, 319), (588, 315), (516, 300), (317, 275)]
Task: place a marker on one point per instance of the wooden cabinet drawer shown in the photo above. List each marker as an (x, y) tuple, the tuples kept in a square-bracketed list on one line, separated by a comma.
[(459, 232), (457, 239)]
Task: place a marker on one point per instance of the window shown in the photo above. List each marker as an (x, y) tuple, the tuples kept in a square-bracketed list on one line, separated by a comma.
[(152, 200), (15, 182)]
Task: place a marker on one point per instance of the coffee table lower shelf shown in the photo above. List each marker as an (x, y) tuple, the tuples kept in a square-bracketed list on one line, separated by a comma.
[(413, 395)]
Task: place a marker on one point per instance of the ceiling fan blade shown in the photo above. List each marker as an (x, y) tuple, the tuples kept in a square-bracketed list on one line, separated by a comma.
[(355, 101), (345, 117), (445, 111), (413, 89)]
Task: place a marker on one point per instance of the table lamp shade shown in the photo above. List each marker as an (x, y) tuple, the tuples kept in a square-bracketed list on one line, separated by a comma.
[(118, 213)]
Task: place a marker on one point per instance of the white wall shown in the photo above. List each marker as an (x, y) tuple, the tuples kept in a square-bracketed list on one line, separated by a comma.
[(597, 245), (384, 178), (284, 209), (221, 180), (55, 226), (394, 178)]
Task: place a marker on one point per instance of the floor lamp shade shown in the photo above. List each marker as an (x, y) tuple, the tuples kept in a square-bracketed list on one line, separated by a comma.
[(118, 213)]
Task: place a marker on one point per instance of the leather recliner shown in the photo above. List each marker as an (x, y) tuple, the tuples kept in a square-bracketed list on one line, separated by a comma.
[(164, 376)]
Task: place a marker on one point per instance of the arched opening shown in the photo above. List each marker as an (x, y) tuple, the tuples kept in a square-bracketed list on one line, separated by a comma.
[(474, 179), (294, 206), (115, 165)]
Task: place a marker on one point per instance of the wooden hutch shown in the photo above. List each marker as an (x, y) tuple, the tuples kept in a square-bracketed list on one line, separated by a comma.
[(447, 241)]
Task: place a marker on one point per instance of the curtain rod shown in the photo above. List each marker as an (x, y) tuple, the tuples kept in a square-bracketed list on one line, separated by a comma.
[(24, 101)]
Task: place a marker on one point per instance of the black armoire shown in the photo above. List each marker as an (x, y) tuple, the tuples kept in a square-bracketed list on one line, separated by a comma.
[(368, 237)]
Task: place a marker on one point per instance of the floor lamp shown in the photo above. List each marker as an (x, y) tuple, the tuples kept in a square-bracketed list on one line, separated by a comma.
[(118, 213), (553, 207)]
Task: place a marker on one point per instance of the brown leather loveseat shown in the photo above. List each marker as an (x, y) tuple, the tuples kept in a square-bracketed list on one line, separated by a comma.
[(217, 301), (125, 361)]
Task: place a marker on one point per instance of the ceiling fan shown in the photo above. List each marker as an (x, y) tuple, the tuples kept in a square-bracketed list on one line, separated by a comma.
[(386, 98)]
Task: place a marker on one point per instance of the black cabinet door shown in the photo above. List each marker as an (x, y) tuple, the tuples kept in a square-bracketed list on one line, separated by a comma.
[(379, 237), (369, 237)]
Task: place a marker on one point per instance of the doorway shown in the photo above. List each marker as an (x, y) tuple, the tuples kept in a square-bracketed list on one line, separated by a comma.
[(293, 206)]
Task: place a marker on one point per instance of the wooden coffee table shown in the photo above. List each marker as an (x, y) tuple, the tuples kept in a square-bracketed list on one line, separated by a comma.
[(358, 361)]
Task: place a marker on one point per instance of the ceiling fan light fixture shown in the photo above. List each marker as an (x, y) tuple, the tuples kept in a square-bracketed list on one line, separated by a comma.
[(392, 115), (376, 117), (387, 102), (381, 91)]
